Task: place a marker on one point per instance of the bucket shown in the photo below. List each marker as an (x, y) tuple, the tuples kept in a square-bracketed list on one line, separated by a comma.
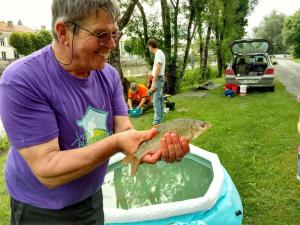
[(243, 89), (134, 112), (170, 105)]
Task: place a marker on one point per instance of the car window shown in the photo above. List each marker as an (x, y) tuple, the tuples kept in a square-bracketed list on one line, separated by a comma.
[(261, 60), (249, 46), (251, 60)]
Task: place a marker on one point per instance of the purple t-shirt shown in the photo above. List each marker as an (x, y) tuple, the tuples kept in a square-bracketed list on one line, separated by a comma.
[(40, 101)]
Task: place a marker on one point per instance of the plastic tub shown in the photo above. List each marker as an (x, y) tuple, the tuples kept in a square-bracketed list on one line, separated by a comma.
[(221, 203)]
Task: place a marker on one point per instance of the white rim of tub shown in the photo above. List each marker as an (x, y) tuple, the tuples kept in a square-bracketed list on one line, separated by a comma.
[(166, 210)]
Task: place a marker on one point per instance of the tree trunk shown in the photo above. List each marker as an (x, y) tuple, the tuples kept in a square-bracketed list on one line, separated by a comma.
[(201, 45), (219, 40), (201, 51), (144, 37), (205, 53), (219, 58), (175, 30), (166, 22), (114, 58), (190, 35)]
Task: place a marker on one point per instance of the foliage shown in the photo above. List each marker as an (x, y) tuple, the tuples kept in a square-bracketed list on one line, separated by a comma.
[(4, 144), (297, 60), (191, 77), (175, 29), (26, 42), (22, 42), (271, 30), (170, 29), (42, 39), (134, 47), (234, 23), (142, 26), (228, 24), (4, 199), (291, 33)]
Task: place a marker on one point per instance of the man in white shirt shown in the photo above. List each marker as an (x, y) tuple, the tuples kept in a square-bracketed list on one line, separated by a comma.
[(158, 73)]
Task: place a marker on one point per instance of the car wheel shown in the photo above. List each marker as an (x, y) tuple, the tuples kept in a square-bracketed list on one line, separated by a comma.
[(272, 89)]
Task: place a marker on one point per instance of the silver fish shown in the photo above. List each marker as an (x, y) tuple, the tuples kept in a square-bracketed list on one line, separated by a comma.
[(187, 128)]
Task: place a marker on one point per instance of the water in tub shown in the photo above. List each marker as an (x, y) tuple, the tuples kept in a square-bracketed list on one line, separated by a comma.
[(156, 184)]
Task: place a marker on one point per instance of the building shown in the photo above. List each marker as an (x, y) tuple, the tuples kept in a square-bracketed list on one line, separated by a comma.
[(8, 53)]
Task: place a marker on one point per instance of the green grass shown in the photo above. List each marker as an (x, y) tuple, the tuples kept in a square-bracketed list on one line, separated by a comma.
[(255, 138), (296, 60), (4, 199)]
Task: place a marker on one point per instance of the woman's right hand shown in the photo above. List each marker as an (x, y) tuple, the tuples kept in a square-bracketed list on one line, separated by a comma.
[(129, 141)]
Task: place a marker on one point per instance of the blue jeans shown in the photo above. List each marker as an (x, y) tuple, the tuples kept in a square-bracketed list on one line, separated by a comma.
[(158, 101)]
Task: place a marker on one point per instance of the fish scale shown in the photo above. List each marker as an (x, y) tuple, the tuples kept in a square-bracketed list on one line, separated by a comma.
[(187, 128), (177, 126)]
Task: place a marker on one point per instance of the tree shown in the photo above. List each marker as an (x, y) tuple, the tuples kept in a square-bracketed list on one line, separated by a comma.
[(25, 42), (291, 33), (115, 58), (176, 24), (42, 39), (134, 47), (191, 29), (172, 34), (166, 25), (271, 30), (22, 42), (229, 21)]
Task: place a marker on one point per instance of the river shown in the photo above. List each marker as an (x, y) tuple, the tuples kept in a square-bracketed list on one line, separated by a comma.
[(135, 70)]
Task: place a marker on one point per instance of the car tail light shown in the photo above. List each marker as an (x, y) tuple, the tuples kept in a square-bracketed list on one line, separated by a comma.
[(269, 71), (229, 71)]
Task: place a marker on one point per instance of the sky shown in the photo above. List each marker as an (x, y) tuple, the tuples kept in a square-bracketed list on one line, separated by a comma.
[(35, 13), (265, 7), (32, 13)]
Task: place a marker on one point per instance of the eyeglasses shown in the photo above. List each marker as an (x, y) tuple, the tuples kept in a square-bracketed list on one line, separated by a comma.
[(103, 37)]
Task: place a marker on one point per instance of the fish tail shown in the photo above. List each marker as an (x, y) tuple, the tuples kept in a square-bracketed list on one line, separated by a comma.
[(134, 161), (128, 159)]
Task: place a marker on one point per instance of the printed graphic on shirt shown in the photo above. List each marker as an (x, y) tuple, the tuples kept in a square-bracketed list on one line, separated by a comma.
[(94, 123)]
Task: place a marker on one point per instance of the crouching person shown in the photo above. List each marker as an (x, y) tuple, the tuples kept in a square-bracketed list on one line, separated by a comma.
[(138, 97)]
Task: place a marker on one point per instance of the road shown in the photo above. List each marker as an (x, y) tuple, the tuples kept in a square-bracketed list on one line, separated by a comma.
[(288, 72)]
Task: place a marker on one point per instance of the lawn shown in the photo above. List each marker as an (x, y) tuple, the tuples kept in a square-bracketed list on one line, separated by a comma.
[(255, 138), (296, 60)]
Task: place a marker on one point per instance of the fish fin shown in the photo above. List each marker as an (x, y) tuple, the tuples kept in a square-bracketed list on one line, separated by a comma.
[(134, 161), (134, 166), (128, 159)]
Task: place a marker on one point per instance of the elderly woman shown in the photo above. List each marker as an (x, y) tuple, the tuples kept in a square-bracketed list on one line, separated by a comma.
[(65, 115)]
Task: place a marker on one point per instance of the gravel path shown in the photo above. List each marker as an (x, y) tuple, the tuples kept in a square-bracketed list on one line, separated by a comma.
[(288, 72)]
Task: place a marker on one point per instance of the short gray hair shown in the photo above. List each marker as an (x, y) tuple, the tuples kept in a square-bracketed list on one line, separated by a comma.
[(77, 10)]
